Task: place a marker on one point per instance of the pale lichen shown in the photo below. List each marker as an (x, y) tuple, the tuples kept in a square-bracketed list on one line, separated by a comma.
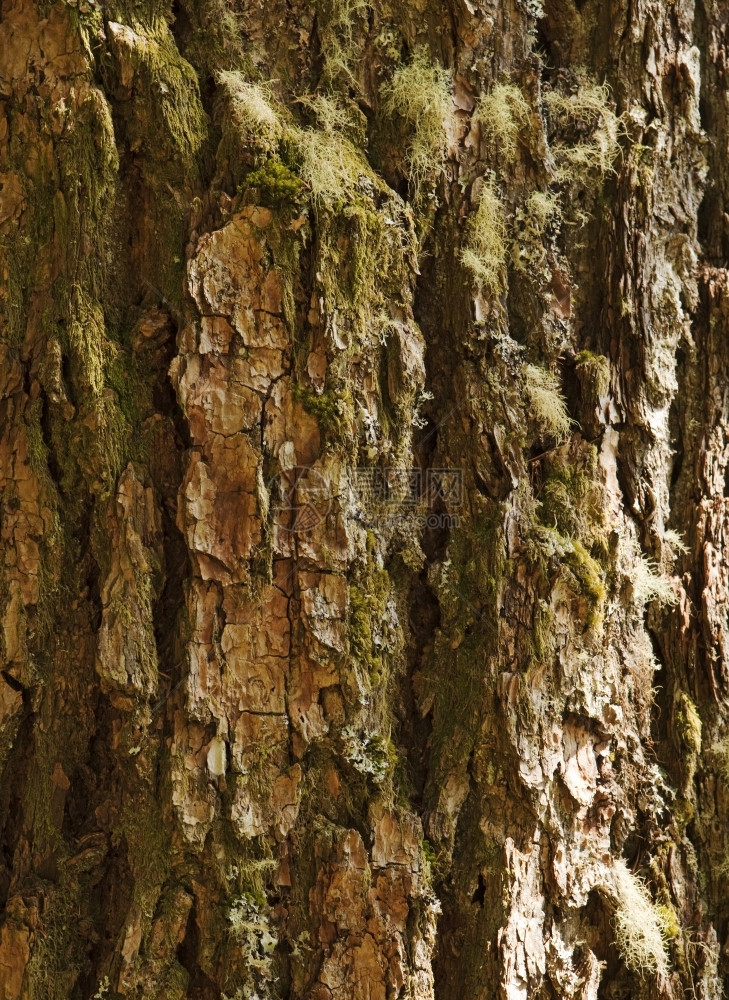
[(420, 93), (338, 37), (589, 132), (649, 584), (484, 253), (504, 117), (252, 108), (548, 406), (640, 934)]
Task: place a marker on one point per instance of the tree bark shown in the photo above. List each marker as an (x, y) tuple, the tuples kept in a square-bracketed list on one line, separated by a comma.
[(363, 491)]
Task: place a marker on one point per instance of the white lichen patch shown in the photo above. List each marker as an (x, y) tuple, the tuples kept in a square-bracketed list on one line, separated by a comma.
[(639, 930)]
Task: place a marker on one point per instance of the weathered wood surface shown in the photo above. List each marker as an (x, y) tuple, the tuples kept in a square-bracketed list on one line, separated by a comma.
[(271, 723)]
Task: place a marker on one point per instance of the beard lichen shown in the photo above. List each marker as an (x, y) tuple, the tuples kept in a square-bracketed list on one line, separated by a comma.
[(420, 94), (251, 109), (504, 118), (547, 403), (640, 934), (485, 250), (586, 132)]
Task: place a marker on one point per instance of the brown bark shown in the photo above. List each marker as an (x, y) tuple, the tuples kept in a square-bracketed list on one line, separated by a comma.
[(363, 472)]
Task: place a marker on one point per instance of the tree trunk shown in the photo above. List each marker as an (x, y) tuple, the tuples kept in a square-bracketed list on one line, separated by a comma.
[(364, 456)]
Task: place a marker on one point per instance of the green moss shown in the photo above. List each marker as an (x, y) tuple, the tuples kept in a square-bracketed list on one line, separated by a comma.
[(100, 446), (145, 834), (543, 636), (131, 386), (689, 730), (330, 409), (37, 447), (591, 580), (668, 918), (170, 116), (275, 182), (58, 955), (428, 852), (354, 252), (166, 127), (215, 40), (597, 369), (367, 608), (363, 231), (554, 553), (468, 586), (177, 981), (253, 872), (688, 724), (572, 500), (593, 373)]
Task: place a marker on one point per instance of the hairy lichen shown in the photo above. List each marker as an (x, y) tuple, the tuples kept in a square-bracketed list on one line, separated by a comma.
[(252, 109), (330, 167), (675, 542), (548, 406), (484, 253), (339, 38), (589, 132), (504, 117), (640, 933), (420, 94), (649, 584)]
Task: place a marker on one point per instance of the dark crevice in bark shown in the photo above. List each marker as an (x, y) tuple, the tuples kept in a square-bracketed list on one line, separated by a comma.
[(479, 896), (200, 987), (414, 728), (13, 786)]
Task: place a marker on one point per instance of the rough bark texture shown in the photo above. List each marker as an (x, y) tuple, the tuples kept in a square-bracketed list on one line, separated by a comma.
[(273, 723)]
